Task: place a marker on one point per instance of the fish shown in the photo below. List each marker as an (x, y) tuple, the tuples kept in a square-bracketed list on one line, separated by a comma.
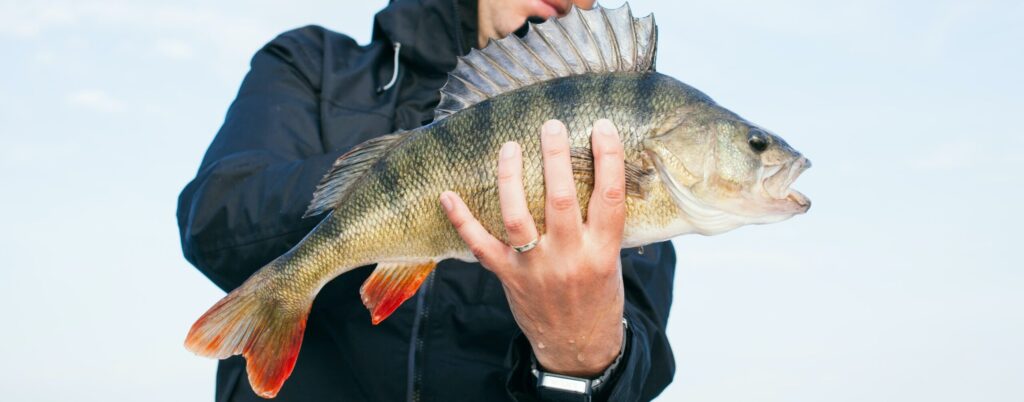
[(692, 166)]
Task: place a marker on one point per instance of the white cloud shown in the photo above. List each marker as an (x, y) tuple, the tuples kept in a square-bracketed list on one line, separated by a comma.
[(95, 100), (210, 34), (948, 156), (174, 49), (44, 57), (948, 19), (28, 154), (21, 19)]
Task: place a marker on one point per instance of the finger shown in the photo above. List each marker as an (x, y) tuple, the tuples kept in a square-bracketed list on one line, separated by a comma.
[(491, 252), (516, 215), (562, 211), (606, 213)]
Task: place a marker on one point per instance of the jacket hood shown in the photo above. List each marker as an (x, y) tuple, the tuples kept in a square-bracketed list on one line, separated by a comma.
[(432, 32)]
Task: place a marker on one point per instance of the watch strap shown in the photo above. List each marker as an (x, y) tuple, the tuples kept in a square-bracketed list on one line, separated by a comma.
[(559, 388)]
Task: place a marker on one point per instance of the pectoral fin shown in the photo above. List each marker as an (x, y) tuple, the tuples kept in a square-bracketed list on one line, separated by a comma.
[(390, 284), (637, 177)]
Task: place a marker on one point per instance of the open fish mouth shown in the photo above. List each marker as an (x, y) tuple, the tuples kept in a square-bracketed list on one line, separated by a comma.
[(777, 182)]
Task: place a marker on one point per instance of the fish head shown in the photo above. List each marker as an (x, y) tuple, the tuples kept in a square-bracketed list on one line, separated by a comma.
[(724, 172)]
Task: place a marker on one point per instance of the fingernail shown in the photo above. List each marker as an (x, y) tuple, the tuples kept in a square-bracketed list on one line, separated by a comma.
[(605, 128), (508, 150), (446, 202), (550, 128)]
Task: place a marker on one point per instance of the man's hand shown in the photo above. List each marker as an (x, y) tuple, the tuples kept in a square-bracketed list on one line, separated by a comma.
[(566, 293)]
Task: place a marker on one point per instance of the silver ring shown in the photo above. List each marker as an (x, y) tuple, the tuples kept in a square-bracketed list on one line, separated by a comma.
[(526, 247)]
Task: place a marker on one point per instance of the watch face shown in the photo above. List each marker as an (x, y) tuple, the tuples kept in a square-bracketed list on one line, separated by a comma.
[(564, 383)]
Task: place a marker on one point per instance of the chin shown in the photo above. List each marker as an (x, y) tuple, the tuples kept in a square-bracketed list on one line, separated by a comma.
[(759, 211)]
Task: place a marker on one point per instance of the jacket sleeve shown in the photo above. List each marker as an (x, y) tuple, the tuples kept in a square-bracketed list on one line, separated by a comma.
[(647, 364), (244, 206)]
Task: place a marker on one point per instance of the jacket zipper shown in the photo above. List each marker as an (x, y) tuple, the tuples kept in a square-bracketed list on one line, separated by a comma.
[(416, 339), (415, 369)]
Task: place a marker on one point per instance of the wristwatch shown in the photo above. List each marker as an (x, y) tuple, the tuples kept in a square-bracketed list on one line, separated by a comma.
[(563, 388)]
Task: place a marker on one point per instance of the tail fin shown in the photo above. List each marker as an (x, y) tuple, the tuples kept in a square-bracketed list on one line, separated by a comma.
[(252, 322)]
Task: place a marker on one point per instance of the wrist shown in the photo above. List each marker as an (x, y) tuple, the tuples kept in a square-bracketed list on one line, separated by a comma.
[(562, 387), (581, 358)]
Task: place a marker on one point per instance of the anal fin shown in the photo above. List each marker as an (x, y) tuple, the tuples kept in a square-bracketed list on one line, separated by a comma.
[(390, 284)]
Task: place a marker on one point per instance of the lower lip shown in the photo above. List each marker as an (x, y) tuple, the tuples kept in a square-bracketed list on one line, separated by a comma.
[(799, 199), (547, 10)]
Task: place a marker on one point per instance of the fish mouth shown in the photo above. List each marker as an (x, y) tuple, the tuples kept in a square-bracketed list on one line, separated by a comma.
[(777, 182)]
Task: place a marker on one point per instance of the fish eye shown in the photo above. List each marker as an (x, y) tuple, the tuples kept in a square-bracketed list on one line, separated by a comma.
[(758, 141)]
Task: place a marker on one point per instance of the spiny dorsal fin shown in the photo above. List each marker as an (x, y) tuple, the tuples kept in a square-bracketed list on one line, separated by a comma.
[(347, 170), (599, 40)]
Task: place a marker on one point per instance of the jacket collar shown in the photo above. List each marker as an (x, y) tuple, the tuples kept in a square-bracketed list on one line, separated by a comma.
[(432, 32)]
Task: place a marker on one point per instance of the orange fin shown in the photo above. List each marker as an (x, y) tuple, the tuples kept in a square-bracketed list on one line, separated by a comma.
[(267, 331), (390, 285)]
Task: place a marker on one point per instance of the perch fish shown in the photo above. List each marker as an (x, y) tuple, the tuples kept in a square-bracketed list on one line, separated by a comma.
[(691, 167)]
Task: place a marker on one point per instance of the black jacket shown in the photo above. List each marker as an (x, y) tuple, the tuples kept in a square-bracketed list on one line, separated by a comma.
[(310, 96)]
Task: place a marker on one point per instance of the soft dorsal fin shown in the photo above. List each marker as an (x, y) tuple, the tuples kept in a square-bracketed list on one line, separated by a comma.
[(346, 170), (598, 40)]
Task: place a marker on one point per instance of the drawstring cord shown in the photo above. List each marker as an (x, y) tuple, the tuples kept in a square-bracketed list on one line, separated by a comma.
[(394, 73)]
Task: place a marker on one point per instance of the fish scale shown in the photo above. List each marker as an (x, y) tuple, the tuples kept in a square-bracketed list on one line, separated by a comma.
[(691, 167)]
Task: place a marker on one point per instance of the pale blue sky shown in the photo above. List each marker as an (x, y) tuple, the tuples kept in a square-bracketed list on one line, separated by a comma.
[(903, 283)]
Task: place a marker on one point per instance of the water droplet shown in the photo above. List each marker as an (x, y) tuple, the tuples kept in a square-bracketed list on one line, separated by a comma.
[(640, 250), (579, 356), (572, 341), (540, 345)]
